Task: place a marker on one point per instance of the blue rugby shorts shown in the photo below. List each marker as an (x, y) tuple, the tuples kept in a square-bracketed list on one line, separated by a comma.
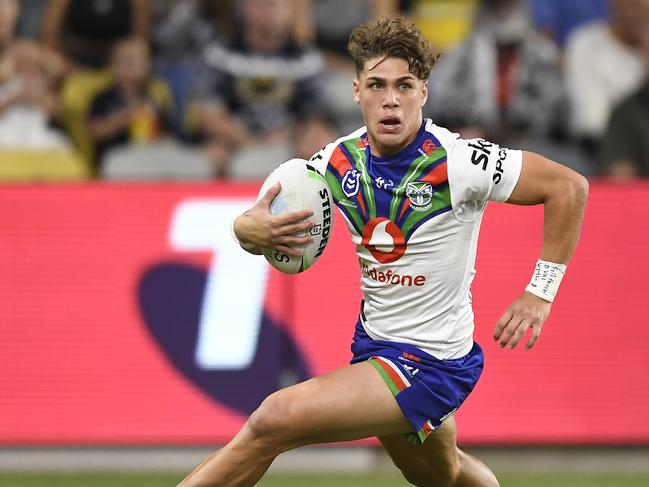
[(427, 389)]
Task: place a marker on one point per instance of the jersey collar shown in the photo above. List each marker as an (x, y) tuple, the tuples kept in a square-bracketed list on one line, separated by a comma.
[(406, 153)]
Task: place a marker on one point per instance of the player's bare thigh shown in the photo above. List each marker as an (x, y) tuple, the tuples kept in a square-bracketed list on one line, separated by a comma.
[(349, 403), (434, 461)]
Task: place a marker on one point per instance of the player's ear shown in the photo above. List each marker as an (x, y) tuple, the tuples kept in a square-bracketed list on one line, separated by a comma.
[(424, 92), (357, 90)]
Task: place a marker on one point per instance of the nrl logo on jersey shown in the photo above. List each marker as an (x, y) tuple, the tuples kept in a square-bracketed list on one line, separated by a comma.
[(351, 182), (420, 195)]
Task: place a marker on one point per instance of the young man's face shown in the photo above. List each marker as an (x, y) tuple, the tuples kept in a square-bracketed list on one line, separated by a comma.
[(391, 99)]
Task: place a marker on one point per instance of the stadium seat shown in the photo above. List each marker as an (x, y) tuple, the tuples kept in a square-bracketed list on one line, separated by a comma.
[(258, 161), (166, 159), (444, 22), (24, 165)]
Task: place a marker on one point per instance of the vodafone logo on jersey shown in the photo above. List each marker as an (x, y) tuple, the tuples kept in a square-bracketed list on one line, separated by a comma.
[(391, 277), (384, 239)]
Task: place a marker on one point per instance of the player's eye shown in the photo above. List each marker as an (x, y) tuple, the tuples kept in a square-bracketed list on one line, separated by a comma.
[(405, 86), (375, 85)]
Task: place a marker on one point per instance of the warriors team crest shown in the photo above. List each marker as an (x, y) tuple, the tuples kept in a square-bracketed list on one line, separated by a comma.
[(420, 195)]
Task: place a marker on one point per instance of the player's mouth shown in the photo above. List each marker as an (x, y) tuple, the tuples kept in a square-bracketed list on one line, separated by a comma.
[(390, 124)]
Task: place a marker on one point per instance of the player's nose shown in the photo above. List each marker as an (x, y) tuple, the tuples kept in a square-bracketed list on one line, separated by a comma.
[(391, 98)]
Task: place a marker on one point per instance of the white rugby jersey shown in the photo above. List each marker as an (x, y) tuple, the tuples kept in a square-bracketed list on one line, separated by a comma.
[(415, 219)]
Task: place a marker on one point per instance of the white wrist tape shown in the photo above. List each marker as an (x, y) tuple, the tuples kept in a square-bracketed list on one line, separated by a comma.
[(245, 246), (546, 279)]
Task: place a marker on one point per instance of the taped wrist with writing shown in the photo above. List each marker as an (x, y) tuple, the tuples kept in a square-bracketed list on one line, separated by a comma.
[(546, 279)]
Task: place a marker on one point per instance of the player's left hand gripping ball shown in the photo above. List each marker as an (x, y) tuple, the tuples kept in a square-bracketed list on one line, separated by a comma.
[(302, 188)]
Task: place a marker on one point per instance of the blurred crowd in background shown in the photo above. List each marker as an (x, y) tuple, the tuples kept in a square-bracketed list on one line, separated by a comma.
[(205, 89)]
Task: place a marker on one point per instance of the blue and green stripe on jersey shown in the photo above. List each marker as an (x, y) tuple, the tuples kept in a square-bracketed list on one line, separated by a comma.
[(370, 201)]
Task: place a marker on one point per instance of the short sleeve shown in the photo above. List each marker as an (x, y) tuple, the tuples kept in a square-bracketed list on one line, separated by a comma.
[(481, 171), (320, 159)]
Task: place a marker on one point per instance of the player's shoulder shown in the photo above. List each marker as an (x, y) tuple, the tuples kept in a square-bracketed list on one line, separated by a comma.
[(465, 152), (478, 170), (458, 150), (443, 136), (321, 159)]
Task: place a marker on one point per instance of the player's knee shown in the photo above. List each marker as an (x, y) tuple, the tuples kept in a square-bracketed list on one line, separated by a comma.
[(267, 419), (271, 422)]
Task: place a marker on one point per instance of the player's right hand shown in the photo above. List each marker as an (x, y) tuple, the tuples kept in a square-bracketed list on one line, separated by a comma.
[(527, 312), (258, 226)]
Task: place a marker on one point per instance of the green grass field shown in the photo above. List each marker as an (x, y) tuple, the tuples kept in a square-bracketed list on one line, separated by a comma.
[(164, 480)]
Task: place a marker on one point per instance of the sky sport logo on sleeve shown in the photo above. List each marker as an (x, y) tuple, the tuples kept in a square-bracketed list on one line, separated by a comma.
[(480, 157)]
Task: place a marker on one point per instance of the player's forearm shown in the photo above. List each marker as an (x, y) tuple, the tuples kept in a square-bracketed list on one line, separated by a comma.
[(563, 215)]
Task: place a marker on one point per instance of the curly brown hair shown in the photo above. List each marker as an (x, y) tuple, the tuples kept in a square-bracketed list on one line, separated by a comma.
[(392, 36)]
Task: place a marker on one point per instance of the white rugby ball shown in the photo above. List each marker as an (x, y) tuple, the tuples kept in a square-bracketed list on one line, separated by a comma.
[(303, 188)]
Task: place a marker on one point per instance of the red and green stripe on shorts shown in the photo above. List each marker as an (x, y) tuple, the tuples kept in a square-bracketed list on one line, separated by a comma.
[(398, 382)]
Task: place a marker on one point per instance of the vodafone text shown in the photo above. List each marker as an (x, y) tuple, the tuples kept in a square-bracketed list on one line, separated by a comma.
[(391, 277)]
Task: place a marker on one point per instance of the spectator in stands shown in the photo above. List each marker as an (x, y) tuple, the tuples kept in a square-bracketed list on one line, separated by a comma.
[(558, 18), (30, 145), (29, 77), (180, 29), (29, 98), (625, 148), (261, 92), (603, 65), (135, 107), (504, 82), (83, 31), (323, 22)]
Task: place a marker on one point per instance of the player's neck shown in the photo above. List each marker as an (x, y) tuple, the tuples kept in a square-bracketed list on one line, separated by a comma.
[(387, 150)]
